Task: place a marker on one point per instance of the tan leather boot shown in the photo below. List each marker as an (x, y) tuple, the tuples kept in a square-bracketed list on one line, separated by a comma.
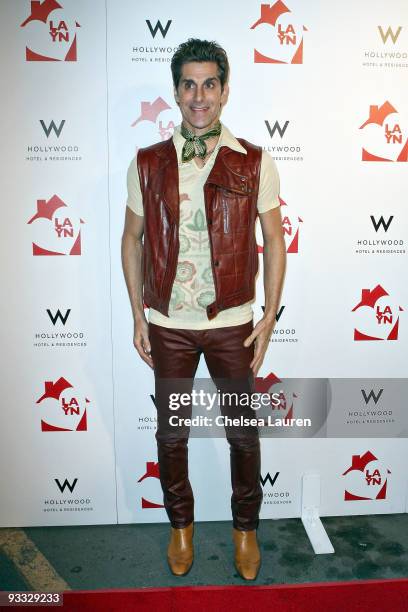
[(180, 552), (247, 554)]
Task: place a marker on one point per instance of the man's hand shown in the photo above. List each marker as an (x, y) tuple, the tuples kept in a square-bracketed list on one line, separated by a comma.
[(132, 258), (141, 341), (261, 334), (274, 260)]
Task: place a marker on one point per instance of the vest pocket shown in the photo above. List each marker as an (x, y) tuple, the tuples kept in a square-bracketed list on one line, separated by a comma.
[(243, 207), (235, 206)]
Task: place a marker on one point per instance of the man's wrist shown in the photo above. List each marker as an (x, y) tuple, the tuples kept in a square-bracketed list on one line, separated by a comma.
[(270, 316), (139, 317)]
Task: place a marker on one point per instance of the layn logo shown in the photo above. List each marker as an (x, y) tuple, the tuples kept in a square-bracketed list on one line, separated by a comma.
[(290, 228), (152, 471), (385, 135), (389, 34), (66, 484), (381, 222), (276, 127), (58, 315), (286, 400), (52, 127), (376, 315), (371, 395), (366, 478), (56, 229), (63, 407), (54, 38), (150, 113), (279, 36), (158, 26)]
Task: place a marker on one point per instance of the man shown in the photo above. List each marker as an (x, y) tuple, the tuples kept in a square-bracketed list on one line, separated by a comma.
[(195, 198)]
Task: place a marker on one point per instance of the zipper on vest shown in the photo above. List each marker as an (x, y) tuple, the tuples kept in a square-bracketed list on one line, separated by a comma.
[(212, 253), (172, 248), (225, 216)]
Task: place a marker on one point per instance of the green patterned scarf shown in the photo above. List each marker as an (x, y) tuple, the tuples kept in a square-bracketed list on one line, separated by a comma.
[(195, 145)]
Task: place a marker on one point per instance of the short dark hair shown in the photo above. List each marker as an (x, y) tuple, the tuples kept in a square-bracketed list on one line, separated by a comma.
[(196, 50)]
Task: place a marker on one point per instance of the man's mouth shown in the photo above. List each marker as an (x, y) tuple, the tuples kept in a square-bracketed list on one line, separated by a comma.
[(199, 108)]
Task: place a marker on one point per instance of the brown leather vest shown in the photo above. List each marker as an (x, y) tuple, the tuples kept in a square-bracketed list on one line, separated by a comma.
[(230, 194)]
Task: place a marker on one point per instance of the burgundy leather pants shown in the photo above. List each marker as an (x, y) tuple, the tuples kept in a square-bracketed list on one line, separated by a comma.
[(176, 354)]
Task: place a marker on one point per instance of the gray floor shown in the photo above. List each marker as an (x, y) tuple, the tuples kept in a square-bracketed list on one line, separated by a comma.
[(121, 556)]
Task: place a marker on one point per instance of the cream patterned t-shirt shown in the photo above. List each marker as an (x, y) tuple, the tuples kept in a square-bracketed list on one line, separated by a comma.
[(193, 288)]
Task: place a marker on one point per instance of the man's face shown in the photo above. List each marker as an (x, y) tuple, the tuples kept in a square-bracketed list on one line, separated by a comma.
[(199, 96)]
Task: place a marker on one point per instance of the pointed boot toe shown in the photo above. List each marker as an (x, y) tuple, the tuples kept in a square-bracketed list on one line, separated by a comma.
[(247, 554)]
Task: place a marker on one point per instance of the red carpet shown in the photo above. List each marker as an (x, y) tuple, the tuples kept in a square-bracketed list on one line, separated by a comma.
[(359, 595)]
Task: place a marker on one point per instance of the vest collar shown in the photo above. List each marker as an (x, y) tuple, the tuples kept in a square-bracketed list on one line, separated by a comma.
[(168, 153)]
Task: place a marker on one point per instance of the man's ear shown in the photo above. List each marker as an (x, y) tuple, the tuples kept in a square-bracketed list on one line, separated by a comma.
[(176, 97), (225, 94)]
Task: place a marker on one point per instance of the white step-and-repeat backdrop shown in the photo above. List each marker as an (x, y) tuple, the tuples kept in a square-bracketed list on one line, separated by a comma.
[(322, 87)]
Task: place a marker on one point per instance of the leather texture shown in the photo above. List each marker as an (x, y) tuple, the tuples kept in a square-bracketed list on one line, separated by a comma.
[(247, 555), (176, 354), (230, 194), (180, 551)]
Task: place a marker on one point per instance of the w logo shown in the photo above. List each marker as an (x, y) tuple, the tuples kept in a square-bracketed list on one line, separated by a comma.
[(66, 484), (52, 127), (389, 34), (381, 222), (276, 128), (269, 478), (371, 395), (58, 315), (158, 26)]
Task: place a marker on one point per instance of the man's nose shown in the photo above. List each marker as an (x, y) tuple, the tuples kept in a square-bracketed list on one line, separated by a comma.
[(199, 93)]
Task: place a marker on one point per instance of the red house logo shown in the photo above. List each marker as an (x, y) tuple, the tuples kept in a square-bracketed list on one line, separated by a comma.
[(290, 227), (57, 229), (151, 111), (385, 135), (51, 33), (378, 316), (284, 409), (281, 35), (152, 471), (366, 478), (64, 408)]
